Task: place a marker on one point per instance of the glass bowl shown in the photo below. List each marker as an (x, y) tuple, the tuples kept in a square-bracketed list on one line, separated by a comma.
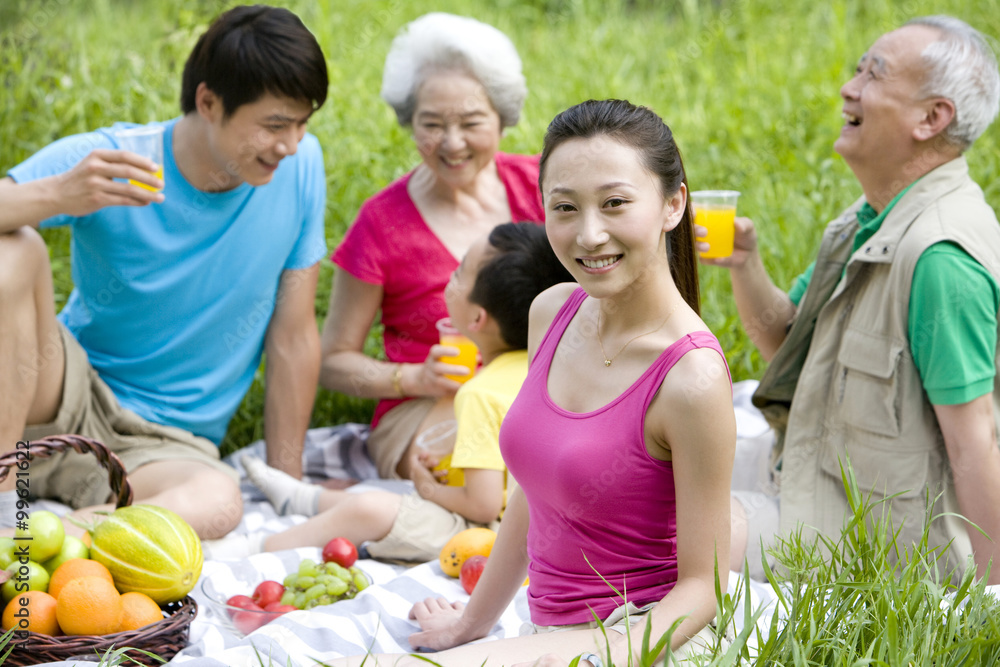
[(218, 588), (237, 620)]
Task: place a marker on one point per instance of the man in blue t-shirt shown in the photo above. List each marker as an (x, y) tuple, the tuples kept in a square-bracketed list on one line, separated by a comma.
[(180, 285)]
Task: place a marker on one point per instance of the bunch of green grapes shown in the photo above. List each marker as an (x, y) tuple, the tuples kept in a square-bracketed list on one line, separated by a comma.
[(315, 584)]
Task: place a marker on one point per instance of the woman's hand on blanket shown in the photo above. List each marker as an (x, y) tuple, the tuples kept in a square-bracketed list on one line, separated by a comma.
[(441, 622)]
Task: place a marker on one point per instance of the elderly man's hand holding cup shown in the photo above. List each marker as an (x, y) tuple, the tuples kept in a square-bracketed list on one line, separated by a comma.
[(721, 238)]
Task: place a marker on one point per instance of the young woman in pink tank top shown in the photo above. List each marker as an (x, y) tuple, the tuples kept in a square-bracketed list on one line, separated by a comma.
[(622, 438)]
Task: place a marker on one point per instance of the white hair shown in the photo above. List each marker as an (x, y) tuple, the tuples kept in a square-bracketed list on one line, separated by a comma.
[(961, 66), (439, 41)]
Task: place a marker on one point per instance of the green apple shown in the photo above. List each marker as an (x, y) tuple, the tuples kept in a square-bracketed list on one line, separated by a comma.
[(45, 534), (33, 576), (72, 547), (6, 551)]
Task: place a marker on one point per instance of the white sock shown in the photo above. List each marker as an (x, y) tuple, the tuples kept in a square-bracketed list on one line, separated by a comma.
[(233, 546), (287, 494)]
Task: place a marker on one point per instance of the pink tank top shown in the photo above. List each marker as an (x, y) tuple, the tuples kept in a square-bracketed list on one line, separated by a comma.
[(597, 500)]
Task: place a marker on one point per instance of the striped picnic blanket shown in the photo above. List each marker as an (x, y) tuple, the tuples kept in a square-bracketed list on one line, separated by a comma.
[(377, 619)]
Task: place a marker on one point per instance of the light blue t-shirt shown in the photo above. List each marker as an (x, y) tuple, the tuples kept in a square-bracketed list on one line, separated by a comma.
[(172, 301)]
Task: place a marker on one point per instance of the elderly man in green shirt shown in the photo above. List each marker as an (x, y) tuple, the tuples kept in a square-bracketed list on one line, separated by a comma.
[(884, 352)]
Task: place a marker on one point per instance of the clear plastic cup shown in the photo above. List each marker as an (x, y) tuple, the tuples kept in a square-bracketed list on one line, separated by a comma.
[(715, 210), (439, 441), (468, 353), (146, 141)]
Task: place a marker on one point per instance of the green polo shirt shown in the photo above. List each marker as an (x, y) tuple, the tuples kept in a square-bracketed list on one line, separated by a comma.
[(953, 316)]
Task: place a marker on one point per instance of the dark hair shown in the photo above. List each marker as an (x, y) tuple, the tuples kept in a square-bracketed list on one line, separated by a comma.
[(641, 129), (253, 50), (519, 266)]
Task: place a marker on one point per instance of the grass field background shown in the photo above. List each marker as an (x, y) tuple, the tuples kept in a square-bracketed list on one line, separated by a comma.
[(749, 88)]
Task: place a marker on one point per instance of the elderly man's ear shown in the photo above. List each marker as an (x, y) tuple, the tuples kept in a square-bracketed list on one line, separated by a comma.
[(939, 113)]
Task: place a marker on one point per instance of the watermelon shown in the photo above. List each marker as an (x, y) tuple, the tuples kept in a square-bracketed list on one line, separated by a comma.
[(149, 550)]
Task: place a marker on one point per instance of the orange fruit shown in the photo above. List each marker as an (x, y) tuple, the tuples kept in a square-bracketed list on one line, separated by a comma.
[(139, 610), (34, 611), (75, 568), (89, 606), (86, 539)]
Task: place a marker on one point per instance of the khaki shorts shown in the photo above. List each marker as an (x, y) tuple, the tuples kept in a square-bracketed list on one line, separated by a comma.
[(617, 621), (395, 431), (89, 408), (762, 511), (420, 531)]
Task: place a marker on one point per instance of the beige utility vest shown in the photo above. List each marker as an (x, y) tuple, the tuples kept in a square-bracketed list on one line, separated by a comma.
[(843, 383)]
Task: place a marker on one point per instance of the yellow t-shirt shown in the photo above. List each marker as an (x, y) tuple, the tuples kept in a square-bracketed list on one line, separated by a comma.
[(480, 406)]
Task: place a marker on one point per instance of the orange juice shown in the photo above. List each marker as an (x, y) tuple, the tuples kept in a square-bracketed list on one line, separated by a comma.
[(719, 221), (468, 354), (145, 141), (439, 441), (158, 173), (455, 477)]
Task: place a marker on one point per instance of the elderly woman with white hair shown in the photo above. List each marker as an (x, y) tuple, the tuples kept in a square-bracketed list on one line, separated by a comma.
[(457, 83)]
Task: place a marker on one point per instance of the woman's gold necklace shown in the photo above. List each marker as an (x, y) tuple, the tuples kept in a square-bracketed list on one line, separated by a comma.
[(607, 360)]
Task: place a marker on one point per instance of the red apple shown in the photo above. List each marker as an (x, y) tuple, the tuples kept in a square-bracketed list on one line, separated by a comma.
[(243, 602), (279, 608), (247, 621), (471, 570), (267, 592), (340, 551)]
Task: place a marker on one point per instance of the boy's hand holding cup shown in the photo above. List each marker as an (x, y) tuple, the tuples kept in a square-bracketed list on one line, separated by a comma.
[(436, 444)]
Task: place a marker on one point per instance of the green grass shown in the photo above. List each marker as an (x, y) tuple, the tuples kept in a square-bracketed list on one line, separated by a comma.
[(861, 599), (866, 599), (749, 88)]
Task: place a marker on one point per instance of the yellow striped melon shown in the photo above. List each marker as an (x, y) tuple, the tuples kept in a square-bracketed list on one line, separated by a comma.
[(149, 550)]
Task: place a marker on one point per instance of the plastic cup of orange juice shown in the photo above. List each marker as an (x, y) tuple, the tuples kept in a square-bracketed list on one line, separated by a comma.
[(439, 441), (715, 210), (147, 141), (468, 353)]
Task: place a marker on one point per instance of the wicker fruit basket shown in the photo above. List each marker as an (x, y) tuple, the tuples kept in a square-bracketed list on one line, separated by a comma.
[(164, 638)]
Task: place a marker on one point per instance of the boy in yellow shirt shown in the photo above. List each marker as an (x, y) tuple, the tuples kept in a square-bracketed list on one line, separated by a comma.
[(488, 299)]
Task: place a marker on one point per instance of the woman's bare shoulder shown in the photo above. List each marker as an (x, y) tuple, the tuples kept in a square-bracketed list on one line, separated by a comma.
[(543, 311), (695, 403), (700, 374)]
